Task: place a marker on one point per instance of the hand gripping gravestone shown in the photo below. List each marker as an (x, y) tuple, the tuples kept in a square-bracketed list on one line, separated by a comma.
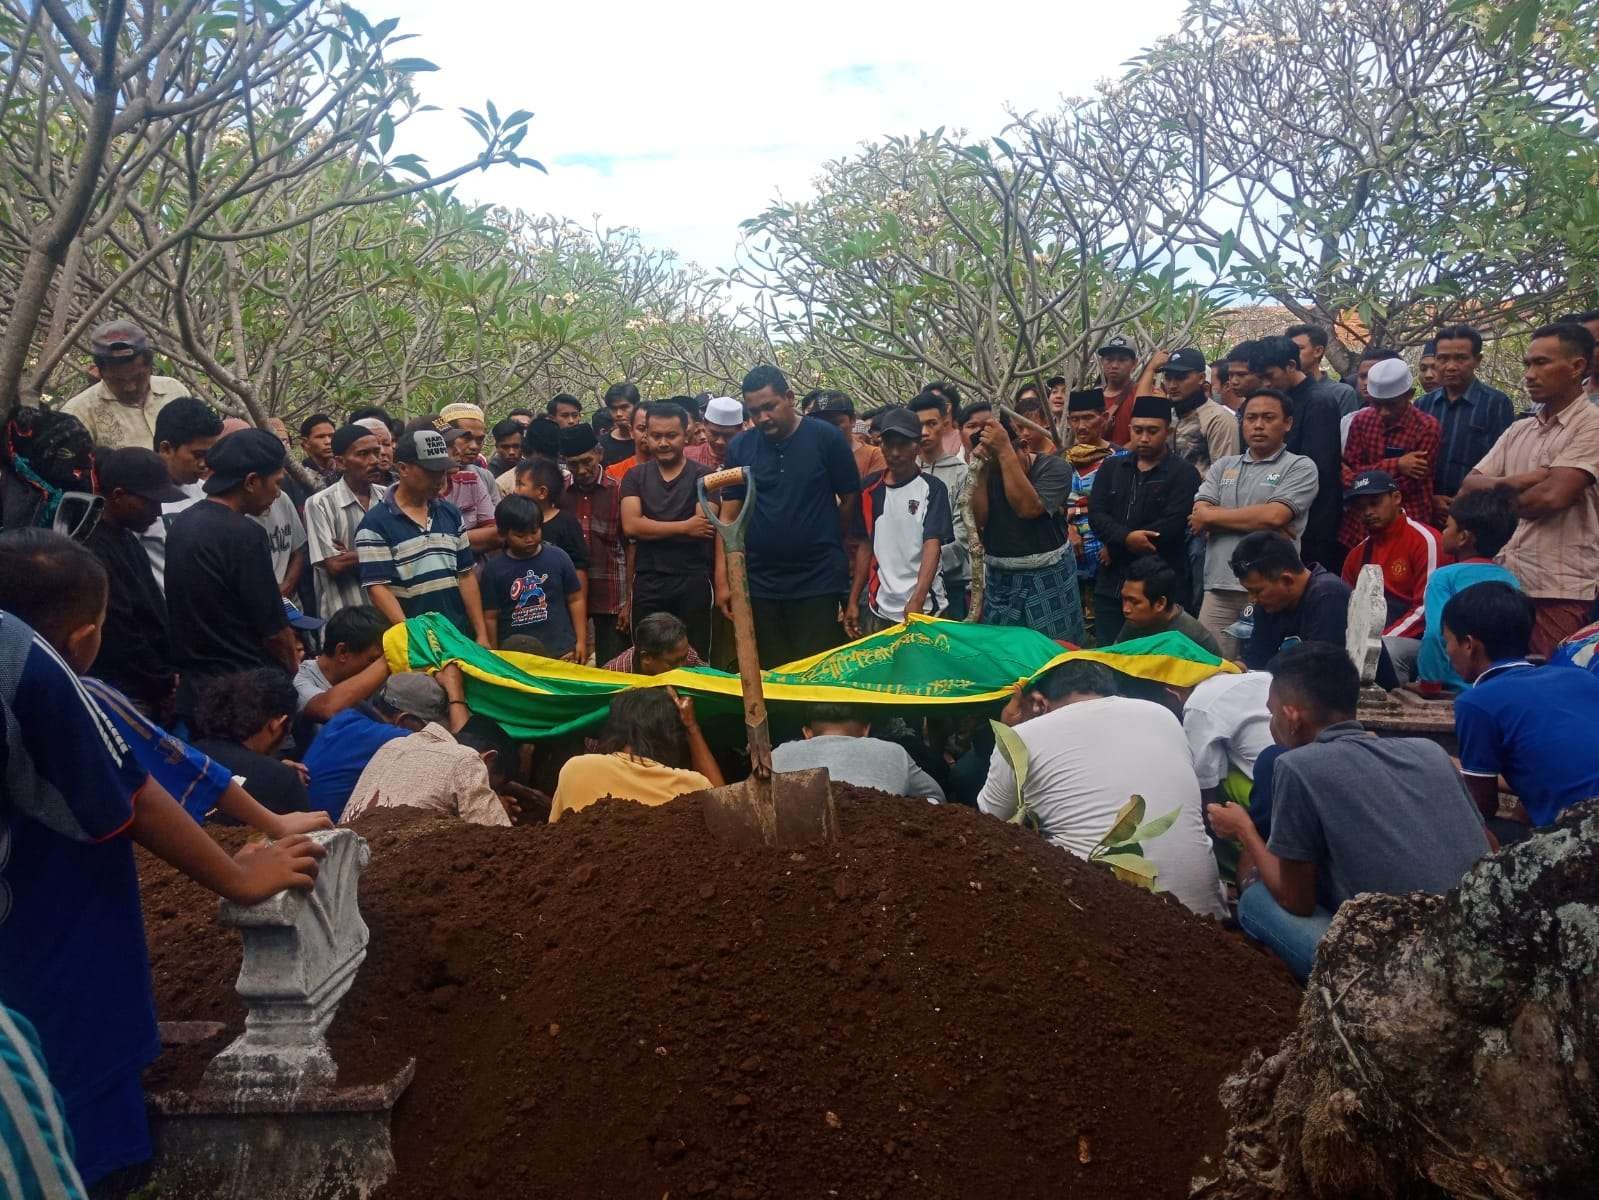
[(269, 1121), (301, 953)]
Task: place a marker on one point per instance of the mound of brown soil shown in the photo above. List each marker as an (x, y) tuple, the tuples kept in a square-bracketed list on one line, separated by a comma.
[(941, 1005)]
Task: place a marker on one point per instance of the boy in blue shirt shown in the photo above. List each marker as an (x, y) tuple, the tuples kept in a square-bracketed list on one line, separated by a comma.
[(72, 942), (1533, 725), (1479, 525), (532, 587)]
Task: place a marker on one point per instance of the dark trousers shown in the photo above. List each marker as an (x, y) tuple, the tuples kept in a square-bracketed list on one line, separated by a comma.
[(608, 643), (1108, 620), (1327, 552), (686, 597), (955, 588), (786, 630)]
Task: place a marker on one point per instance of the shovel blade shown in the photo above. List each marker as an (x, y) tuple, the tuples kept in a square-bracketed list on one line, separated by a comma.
[(794, 808)]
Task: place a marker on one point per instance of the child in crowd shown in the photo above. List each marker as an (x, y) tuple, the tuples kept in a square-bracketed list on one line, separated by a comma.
[(651, 751), (532, 587), (906, 521), (72, 943), (540, 480), (1479, 525)]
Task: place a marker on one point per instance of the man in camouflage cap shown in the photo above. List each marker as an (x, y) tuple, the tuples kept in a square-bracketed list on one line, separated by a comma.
[(120, 409)]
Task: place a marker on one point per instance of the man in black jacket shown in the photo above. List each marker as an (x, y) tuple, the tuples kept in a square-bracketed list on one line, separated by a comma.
[(1315, 434), (1139, 506)]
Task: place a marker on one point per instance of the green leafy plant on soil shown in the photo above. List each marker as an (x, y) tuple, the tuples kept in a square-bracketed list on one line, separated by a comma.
[(1122, 847)]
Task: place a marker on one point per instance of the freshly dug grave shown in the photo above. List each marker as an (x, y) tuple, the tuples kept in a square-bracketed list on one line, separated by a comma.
[(940, 1005)]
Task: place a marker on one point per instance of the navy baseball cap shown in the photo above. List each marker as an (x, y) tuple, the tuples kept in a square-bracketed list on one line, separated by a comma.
[(1371, 483)]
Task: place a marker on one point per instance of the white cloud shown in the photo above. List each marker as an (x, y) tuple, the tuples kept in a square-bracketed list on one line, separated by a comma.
[(683, 121)]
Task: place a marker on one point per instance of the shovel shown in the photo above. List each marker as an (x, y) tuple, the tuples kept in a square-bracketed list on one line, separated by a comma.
[(792, 809)]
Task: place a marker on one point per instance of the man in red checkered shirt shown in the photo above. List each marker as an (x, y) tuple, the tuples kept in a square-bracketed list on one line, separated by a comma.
[(1394, 436), (1407, 550), (595, 499)]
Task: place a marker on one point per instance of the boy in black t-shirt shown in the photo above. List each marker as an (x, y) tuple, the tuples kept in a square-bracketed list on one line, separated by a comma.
[(540, 480), (532, 587)]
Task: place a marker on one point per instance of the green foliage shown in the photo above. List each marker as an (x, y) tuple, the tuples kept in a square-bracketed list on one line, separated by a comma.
[(1122, 847)]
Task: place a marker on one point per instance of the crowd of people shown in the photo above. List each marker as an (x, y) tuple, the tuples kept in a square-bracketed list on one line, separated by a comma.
[(194, 612)]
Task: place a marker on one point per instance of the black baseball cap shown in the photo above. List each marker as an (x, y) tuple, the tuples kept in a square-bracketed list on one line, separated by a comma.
[(900, 421), (139, 472), (240, 454), (1371, 483), (1184, 362), (834, 402)]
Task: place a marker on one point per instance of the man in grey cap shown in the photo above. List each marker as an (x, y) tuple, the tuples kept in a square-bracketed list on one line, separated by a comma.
[(120, 409), (407, 703)]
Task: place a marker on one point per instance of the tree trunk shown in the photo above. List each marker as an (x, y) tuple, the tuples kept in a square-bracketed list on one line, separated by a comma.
[(1448, 1046)]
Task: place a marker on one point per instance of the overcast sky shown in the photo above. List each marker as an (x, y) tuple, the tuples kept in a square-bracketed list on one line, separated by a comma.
[(683, 120)]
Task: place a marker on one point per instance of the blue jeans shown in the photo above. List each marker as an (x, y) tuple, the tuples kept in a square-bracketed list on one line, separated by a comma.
[(1293, 939)]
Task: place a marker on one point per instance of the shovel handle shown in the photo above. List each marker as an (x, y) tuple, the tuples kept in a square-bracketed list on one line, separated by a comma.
[(732, 532)]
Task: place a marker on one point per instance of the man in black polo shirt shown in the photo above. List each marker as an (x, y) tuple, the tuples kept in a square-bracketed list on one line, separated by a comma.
[(1289, 603), (135, 649), (674, 554), (223, 604), (1140, 506), (806, 489)]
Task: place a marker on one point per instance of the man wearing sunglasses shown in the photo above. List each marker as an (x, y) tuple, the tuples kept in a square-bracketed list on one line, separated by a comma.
[(120, 408)]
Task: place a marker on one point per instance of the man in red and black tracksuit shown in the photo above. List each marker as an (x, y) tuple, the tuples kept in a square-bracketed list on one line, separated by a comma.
[(1407, 550)]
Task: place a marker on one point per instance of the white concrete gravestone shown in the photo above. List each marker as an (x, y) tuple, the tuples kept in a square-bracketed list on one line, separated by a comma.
[(301, 953), (1368, 615)]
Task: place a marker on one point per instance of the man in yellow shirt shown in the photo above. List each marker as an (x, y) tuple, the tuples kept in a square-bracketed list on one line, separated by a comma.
[(653, 751), (120, 409)]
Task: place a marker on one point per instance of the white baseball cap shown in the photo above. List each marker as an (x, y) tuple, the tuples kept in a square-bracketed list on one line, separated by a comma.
[(724, 410), (1388, 378)]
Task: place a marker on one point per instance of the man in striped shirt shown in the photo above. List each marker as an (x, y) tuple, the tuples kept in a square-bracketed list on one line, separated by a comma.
[(414, 554), (1407, 550)]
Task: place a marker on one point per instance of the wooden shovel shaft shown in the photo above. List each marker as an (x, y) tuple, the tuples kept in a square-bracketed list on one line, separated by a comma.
[(749, 667)]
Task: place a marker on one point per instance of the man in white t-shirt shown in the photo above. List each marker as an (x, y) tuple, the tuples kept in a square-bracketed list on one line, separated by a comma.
[(1227, 726), (905, 523), (1090, 750)]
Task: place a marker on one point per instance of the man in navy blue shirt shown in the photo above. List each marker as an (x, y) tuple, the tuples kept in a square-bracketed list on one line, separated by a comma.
[(1533, 725), (806, 490), (1472, 414)]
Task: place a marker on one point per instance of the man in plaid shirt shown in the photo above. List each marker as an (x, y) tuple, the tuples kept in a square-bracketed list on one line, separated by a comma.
[(596, 501), (1391, 435)]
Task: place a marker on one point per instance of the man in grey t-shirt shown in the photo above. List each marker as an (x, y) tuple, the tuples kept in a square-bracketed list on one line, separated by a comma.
[(1351, 812), (838, 737), (1265, 487)]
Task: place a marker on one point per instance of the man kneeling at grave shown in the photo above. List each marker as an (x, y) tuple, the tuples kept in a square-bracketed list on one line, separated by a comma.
[(1088, 751), (838, 737), (1351, 812), (463, 774)]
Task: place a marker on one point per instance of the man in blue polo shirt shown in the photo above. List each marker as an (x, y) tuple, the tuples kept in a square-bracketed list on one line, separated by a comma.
[(1533, 725), (806, 489), (414, 554)]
